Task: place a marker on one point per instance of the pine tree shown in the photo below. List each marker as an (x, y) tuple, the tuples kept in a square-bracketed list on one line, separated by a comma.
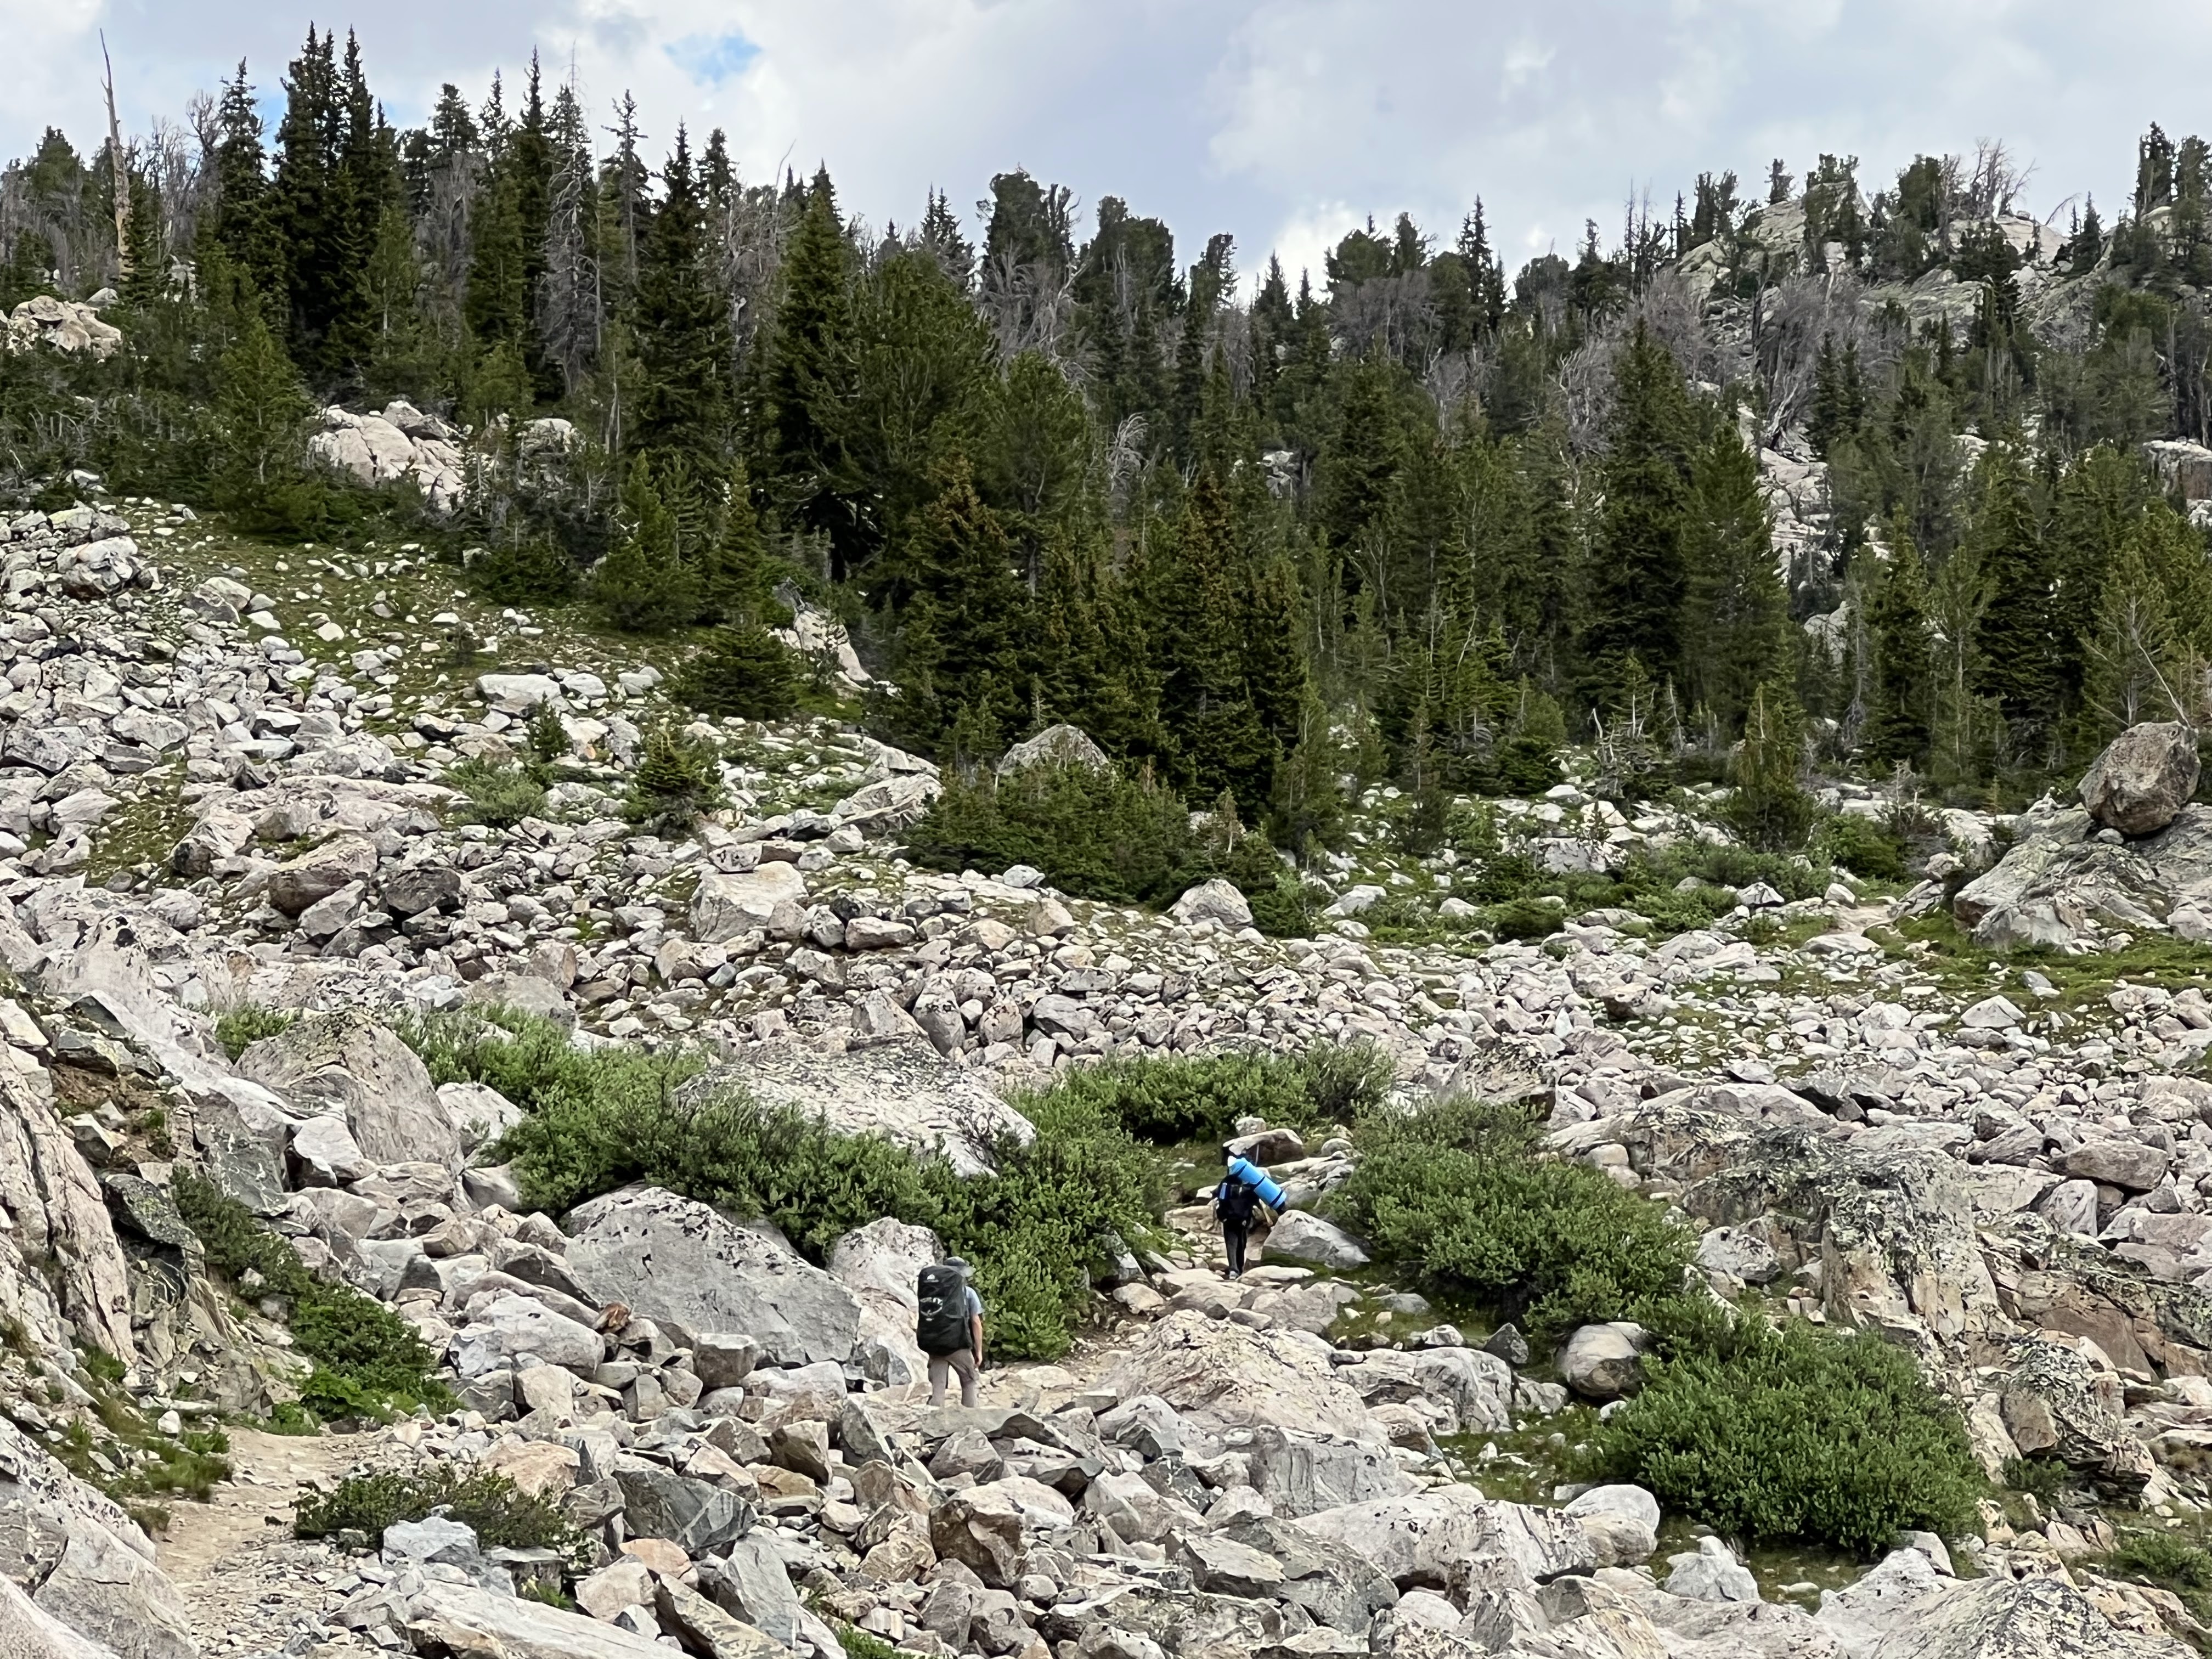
[(732, 564), (966, 626), (259, 409), (2015, 645), (808, 371), (683, 331), (1637, 580), (240, 223), (1770, 808), (1737, 611), (643, 585), (1902, 678), (566, 302), (497, 308)]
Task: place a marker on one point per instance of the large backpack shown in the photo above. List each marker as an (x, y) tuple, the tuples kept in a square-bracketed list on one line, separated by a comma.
[(941, 1325), (1236, 1201)]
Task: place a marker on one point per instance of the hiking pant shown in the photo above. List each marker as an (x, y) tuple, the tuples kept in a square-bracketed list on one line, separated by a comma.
[(1233, 1236), (961, 1363)]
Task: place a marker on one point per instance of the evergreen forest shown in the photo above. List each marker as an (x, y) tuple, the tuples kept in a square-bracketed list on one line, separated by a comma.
[(1882, 473)]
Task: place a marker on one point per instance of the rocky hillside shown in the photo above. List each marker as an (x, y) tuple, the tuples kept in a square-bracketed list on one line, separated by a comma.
[(231, 807)]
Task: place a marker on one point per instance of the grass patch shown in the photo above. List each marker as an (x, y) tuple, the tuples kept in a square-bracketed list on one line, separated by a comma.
[(2168, 1562), (368, 1362), (1457, 1192), (501, 1516)]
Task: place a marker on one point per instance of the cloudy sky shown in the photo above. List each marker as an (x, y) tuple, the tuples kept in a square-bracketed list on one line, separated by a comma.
[(1285, 123)]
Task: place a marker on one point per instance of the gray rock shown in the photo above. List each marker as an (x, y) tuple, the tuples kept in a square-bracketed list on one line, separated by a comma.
[(2128, 1165), (1300, 1236), (1416, 1539), (702, 1628), (1739, 1253), (2144, 778), (103, 1590), (1711, 1573), (327, 1153), (347, 1062), (29, 1631), (512, 1325), (1304, 1475), (685, 1266), (726, 905), (879, 1264), (460, 1619), (903, 1089), (320, 872), (1218, 901), (240, 1160), (1056, 745), (1336, 1584), (694, 1514), (751, 1583), (436, 1538), (1622, 1523), (1604, 1361)]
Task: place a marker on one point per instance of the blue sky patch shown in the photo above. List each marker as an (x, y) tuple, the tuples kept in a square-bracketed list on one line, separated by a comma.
[(712, 59)]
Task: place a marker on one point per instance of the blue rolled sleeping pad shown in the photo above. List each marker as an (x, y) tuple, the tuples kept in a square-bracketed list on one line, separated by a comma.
[(1271, 1193)]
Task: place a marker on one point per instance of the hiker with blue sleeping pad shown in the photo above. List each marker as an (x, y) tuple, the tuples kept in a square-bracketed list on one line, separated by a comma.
[(949, 1328), (1247, 1194)]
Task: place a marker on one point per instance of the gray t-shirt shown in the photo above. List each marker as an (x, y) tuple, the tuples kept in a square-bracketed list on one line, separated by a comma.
[(975, 1304)]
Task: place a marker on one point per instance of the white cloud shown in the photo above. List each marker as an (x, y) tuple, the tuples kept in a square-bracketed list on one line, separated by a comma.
[(1285, 122)]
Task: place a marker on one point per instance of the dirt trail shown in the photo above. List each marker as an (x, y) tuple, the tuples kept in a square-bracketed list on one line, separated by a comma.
[(233, 1558)]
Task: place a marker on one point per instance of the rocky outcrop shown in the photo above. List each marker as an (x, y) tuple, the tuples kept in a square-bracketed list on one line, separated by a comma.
[(902, 1089), (689, 1268), (59, 1256), (66, 325), (348, 1065), (399, 445)]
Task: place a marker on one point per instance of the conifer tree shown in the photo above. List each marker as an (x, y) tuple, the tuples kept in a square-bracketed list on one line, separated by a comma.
[(732, 563), (643, 585), (683, 331), (1770, 808), (808, 374), (1635, 602), (966, 624), (1902, 678), (240, 223), (1737, 611), (2015, 655)]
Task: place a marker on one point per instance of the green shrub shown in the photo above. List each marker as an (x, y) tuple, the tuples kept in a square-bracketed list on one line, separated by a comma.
[(1095, 832), (1864, 847), (1457, 1192), (499, 795), (1796, 1434), (1291, 909), (1524, 919), (367, 1360), (501, 1516), (2157, 1558), (2041, 1478), (1037, 1229), (675, 783), (238, 1029), (744, 671), (1171, 1100), (526, 570)]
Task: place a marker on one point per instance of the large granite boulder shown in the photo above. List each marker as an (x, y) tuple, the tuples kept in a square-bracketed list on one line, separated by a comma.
[(726, 905), (473, 1624), (28, 1631), (2143, 779), (346, 1063), (1056, 745), (1229, 1377), (879, 1264), (1417, 1539), (903, 1089), (691, 1269), (103, 1589)]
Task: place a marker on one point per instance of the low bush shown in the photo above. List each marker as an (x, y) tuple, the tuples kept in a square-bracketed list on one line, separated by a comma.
[(1524, 919), (1800, 1434), (744, 671), (1171, 1100), (1457, 1192), (676, 783), (2159, 1559), (499, 795), (238, 1029), (367, 1360), (2041, 1478), (1862, 847), (1050, 1217), (501, 1516), (1095, 832)]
